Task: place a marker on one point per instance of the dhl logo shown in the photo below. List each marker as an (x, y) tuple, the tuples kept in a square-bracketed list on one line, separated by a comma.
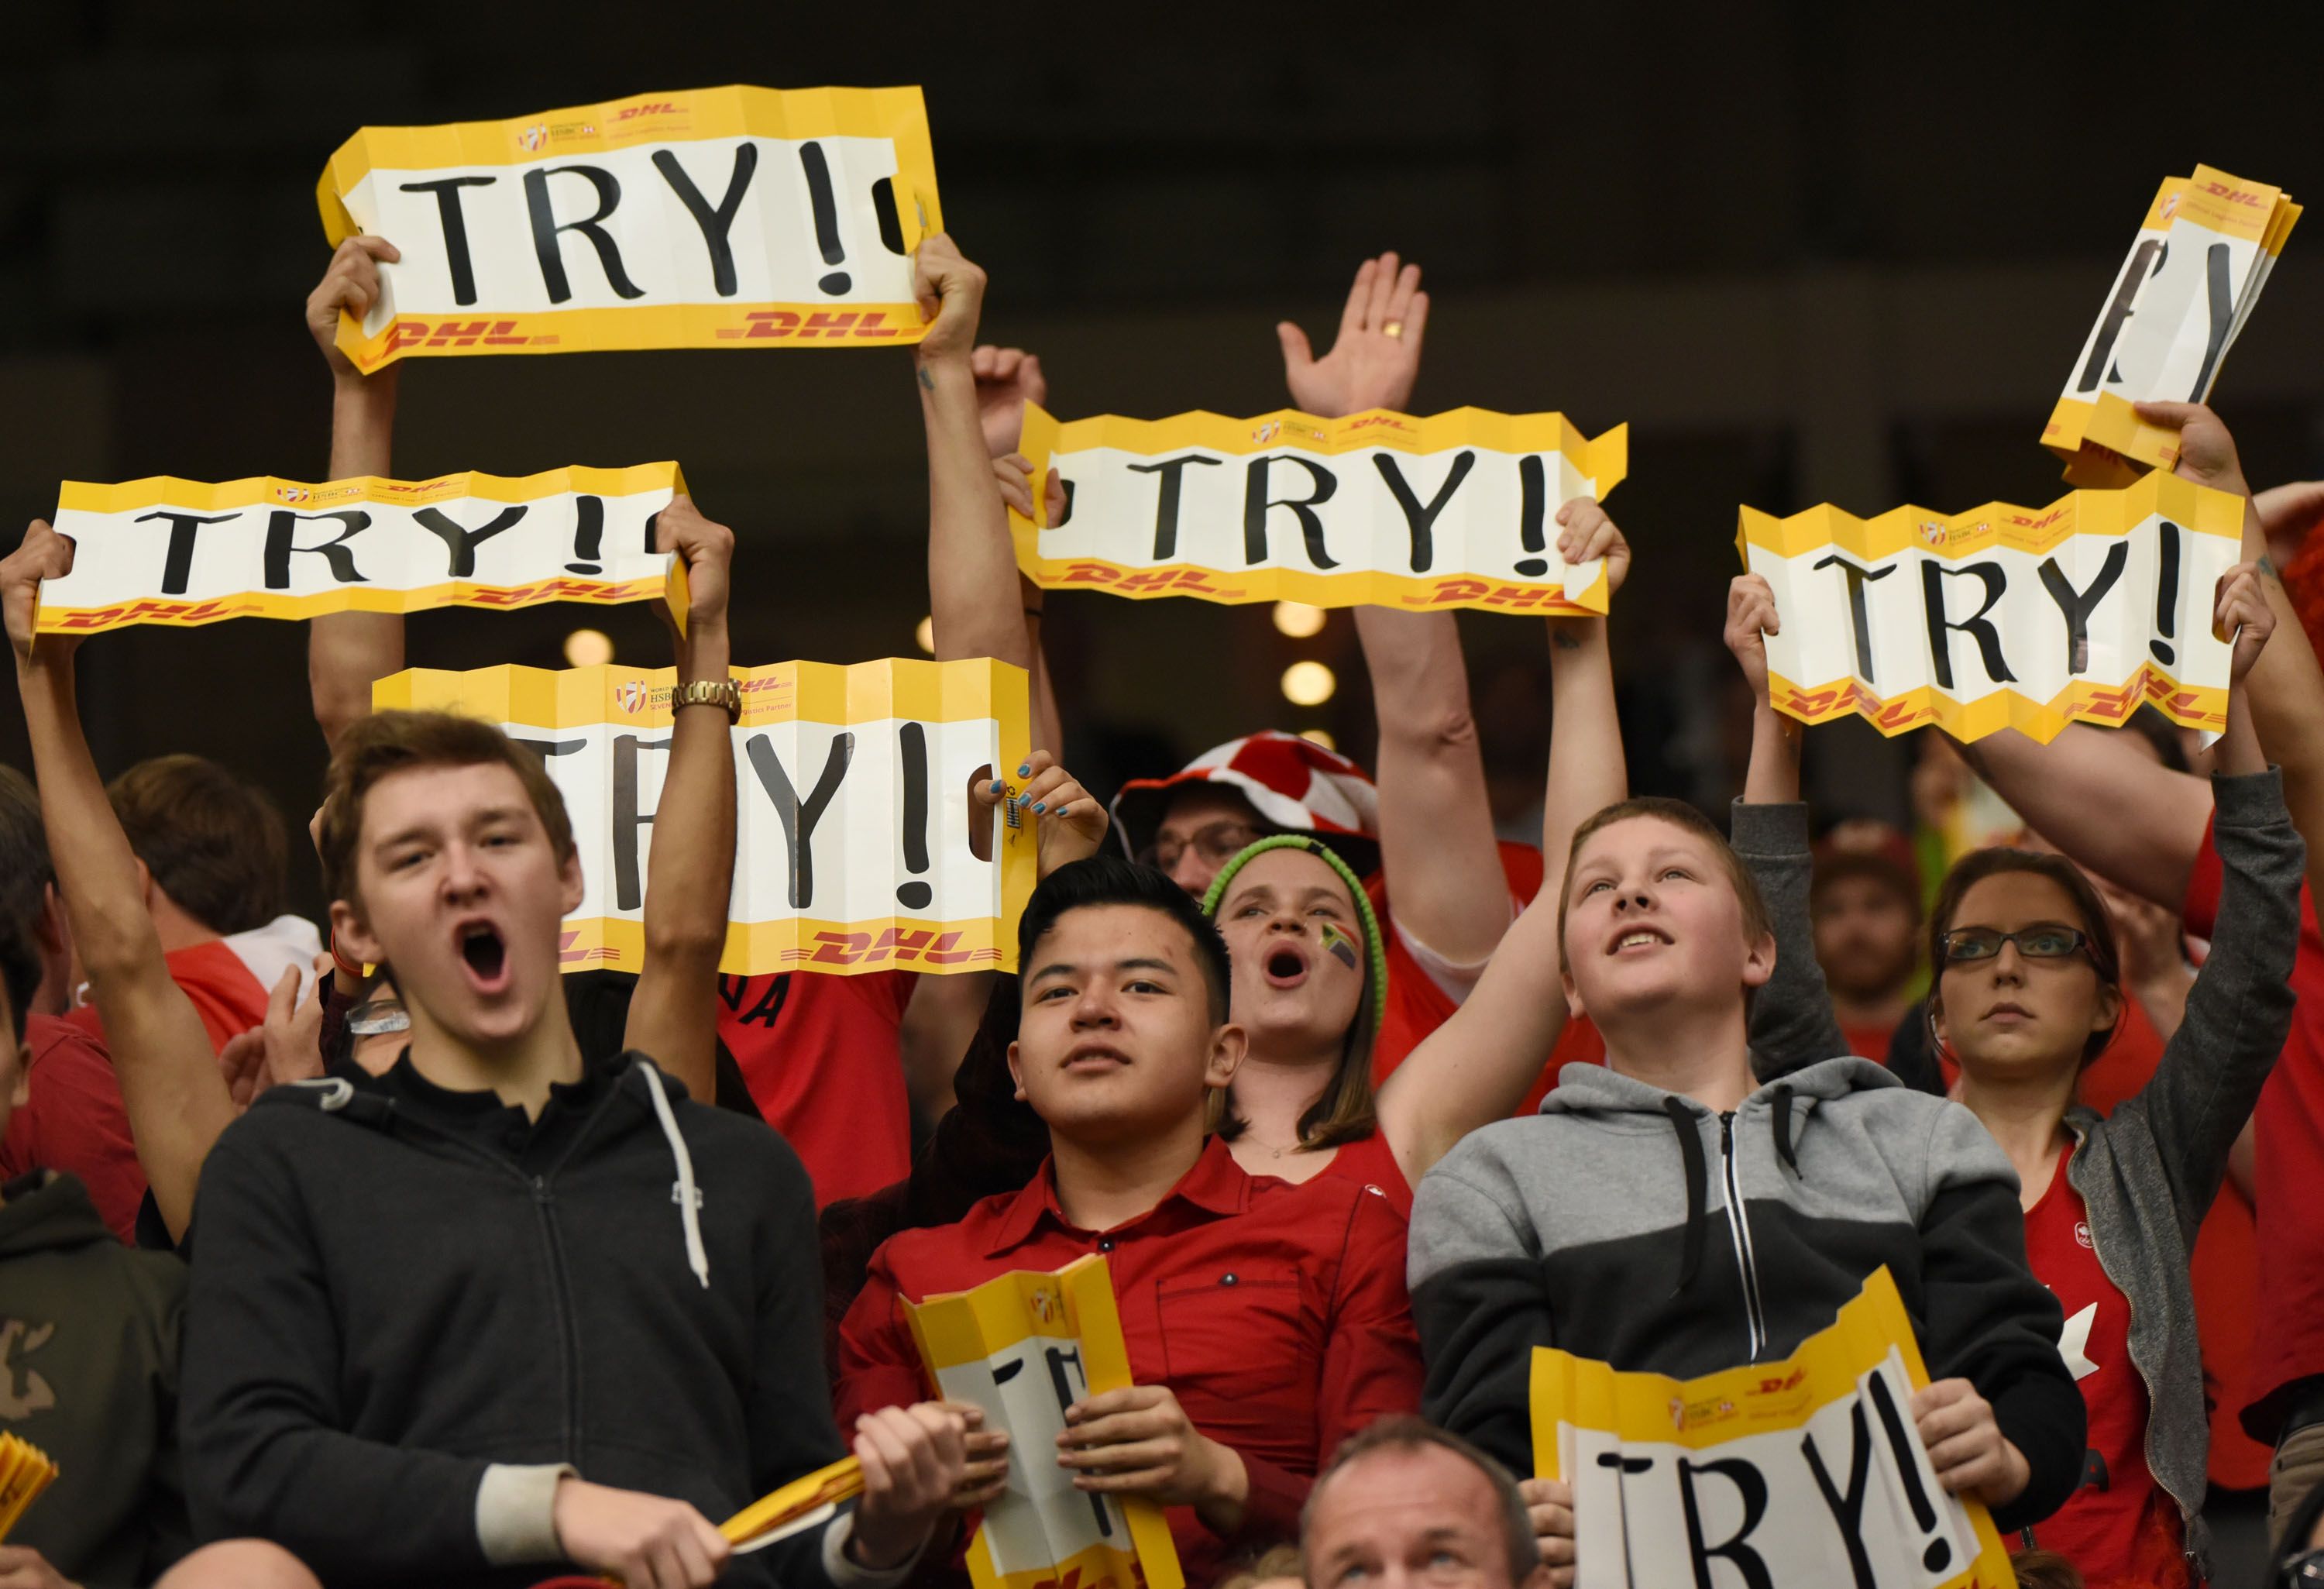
[(2228, 195), (831, 326), (1390, 420), (178, 612), (2043, 522), (1792, 1382), (660, 107), (1179, 581), (566, 955), (406, 334), (519, 596), (1516, 598), (900, 944)]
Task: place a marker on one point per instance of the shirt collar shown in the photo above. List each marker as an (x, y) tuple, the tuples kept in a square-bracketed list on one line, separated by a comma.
[(1216, 1184)]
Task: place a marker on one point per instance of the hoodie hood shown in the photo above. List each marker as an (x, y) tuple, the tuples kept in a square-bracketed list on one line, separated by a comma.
[(47, 1212), (1586, 1090)]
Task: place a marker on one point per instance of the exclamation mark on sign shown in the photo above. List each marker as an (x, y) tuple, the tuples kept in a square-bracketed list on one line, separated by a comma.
[(1908, 1471), (588, 534), (1535, 509), (2166, 595), (826, 216), (914, 740)]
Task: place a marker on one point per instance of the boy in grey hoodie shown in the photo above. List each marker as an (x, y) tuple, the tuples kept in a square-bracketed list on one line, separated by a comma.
[(1664, 1213)]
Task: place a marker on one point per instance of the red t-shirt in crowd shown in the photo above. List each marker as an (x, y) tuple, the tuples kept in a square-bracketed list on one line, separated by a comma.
[(1417, 1006), (1869, 1043), (73, 1120), (823, 1058), (1370, 1163), (2121, 1527), (224, 985), (1275, 1314), (2288, 1333)]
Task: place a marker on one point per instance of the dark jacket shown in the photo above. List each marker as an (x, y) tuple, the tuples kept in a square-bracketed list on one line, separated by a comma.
[(411, 1304), (2148, 1172), (1635, 1226), (88, 1373)]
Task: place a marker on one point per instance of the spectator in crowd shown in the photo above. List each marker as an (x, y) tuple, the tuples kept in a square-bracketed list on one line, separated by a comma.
[(1546, 1232), (1263, 1322), (1866, 909), (88, 1357), (1404, 1504), (2029, 991)]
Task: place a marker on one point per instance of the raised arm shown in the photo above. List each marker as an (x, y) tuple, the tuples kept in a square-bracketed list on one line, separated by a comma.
[(1437, 849), (345, 651), (2240, 1009), (690, 869), (2286, 687), (175, 1094), (972, 579), (1792, 1018), (1479, 1065), (2110, 807)]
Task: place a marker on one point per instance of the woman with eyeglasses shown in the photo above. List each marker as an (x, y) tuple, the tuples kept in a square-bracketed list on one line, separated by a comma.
[(2026, 991)]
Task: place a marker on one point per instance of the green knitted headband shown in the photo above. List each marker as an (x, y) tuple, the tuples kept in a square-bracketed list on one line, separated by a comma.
[(1375, 946)]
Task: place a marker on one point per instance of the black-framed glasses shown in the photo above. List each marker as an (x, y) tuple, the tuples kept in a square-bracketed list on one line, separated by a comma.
[(1217, 844), (1967, 945)]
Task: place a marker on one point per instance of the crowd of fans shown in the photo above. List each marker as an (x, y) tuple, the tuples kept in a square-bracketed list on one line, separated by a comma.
[(388, 1252)]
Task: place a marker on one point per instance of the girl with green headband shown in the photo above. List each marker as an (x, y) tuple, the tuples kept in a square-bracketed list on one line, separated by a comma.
[(1311, 964)]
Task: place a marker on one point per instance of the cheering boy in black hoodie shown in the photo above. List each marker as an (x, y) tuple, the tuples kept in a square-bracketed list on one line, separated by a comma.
[(501, 1309)]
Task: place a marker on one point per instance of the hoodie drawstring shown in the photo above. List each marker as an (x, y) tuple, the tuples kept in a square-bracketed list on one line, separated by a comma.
[(1783, 1149), (1698, 1176), (696, 1257)]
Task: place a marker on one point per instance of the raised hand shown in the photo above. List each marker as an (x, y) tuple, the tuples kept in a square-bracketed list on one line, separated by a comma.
[(1007, 379), (1375, 358), (1073, 823), (913, 1458), (2288, 513), (1750, 619), (44, 555), (352, 282), (950, 292), (2207, 453), (1014, 473), (285, 1047), (1587, 533), (708, 549), (2240, 613), (647, 1541)]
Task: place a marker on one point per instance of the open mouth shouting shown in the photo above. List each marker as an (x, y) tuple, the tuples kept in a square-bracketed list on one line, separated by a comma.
[(485, 953), (1637, 940), (1285, 965)]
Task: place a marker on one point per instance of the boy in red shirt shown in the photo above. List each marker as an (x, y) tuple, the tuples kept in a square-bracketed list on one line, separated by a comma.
[(1263, 1322)]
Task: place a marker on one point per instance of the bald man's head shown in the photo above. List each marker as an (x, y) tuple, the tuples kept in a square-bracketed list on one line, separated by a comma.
[(1404, 1503)]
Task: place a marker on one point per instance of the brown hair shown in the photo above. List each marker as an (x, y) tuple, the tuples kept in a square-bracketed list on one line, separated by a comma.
[(215, 844), (1402, 1431), (2098, 922), (1281, 1561), (396, 742), (1757, 923), (2044, 1569)]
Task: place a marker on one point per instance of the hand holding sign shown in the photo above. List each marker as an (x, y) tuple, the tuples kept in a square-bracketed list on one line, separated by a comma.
[(44, 555), (1966, 1446), (1076, 824), (1549, 1506), (950, 291), (984, 1472), (350, 286), (1751, 617), (647, 1541), (705, 551), (1375, 358), (1007, 379), (1586, 535), (912, 1459), (2241, 614), (1139, 1441)]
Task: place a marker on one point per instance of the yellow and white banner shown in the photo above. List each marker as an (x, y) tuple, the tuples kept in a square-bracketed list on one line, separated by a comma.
[(1377, 508), (2180, 302), (858, 847), (178, 552), (1024, 1347), (2002, 617), (710, 217), (1809, 1471)]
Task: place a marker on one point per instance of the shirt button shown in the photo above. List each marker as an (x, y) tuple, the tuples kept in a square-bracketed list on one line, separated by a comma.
[(1105, 1244), (1227, 1279)]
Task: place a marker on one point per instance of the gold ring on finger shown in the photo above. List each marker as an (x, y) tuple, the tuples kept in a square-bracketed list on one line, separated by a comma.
[(1393, 329)]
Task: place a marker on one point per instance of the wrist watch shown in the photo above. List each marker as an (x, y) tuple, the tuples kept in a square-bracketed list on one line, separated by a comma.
[(710, 692)]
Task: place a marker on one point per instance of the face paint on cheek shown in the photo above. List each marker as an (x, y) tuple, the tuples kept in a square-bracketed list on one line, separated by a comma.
[(1340, 945)]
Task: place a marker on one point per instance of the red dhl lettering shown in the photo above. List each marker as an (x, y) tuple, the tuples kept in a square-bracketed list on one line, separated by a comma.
[(2221, 190), (1518, 599), (2043, 522), (1390, 420), (408, 334), (661, 108), (184, 612), (902, 943), (1192, 581), (1792, 1382), (765, 323)]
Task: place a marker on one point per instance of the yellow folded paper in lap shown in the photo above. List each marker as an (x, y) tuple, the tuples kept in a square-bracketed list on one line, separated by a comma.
[(24, 1472)]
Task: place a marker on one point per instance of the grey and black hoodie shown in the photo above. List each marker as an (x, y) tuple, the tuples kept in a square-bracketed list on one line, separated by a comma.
[(1637, 1227)]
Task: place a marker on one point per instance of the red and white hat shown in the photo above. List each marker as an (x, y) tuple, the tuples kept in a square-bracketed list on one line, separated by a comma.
[(1294, 784)]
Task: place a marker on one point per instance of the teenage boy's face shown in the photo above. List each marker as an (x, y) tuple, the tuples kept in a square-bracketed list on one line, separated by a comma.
[(1293, 931), (1652, 920), (463, 895), (1116, 1041)]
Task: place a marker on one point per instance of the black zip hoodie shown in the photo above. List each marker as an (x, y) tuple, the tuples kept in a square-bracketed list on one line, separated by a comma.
[(412, 1308)]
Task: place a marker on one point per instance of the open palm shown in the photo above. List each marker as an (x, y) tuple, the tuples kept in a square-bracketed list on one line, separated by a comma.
[(1375, 358)]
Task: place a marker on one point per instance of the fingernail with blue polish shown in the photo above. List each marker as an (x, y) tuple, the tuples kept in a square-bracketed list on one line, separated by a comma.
[(1025, 769)]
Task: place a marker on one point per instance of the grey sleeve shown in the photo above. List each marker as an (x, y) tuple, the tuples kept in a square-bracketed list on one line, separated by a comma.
[(2239, 1012), (1792, 1021), (1479, 1309)]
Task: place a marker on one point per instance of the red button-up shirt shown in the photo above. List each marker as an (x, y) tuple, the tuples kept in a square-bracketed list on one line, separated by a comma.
[(1275, 1314)]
